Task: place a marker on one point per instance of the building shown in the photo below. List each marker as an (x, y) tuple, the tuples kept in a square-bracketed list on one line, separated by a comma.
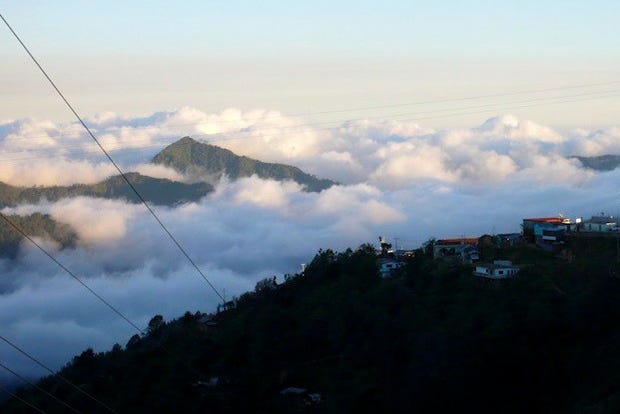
[(529, 225), (405, 254), (550, 237), (600, 224), (387, 266), (549, 233), (508, 239), (463, 249), (499, 269)]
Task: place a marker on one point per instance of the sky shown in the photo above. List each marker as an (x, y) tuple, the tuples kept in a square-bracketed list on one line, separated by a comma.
[(304, 57), (438, 120)]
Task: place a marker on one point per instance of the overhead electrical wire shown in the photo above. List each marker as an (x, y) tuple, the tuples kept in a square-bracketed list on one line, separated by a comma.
[(20, 399), (61, 265), (56, 375), (125, 128), (68, 271), (466, 98), (82, 149), (86, 286), (554, 100), (116, 166), (358, 109), (43, 391), (81, 282)]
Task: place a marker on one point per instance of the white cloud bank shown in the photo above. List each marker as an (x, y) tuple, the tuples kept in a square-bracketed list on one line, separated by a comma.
[(399, 179)]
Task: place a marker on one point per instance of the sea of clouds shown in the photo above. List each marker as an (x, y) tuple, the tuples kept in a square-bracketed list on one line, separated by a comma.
[(397, 179)]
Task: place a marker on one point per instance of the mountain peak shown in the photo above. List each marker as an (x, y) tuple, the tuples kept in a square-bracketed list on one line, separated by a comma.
[(186, 140), (189, 156)]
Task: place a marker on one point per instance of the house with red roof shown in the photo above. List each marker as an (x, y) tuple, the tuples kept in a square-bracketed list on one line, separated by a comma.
[(464, 249)]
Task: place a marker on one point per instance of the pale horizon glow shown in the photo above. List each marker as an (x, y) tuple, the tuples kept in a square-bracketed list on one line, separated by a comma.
[(304, 58)]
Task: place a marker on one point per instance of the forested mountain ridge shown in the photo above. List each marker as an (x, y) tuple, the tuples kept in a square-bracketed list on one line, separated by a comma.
[(184, 155), (158, 191), (35, 225), (190, 156), (607, 162), (432, 338)]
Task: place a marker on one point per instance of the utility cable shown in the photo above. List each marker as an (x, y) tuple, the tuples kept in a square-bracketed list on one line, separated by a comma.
[(466, 98), (597, 94), (52, 396), (133, 188), (54, 374), (68, 271), (83, 149), (358, 109), (81, 282), (20, 399)]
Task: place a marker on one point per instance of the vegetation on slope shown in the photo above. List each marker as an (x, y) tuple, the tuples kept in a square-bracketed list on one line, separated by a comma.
[(158, 191), (607, 162), (35, 225), (190, 156), (433, 338)]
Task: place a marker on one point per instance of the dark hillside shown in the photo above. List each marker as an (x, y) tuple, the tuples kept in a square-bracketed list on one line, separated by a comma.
[(36, 225), (158, 191), (430, 339), (607, 162)]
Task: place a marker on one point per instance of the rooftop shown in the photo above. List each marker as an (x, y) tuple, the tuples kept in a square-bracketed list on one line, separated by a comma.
[(462, 240), (555, 220), (601, 220), (497, 264)]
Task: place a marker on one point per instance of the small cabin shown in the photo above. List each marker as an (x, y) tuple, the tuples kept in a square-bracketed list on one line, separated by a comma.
[(499, 269), (388, 266)]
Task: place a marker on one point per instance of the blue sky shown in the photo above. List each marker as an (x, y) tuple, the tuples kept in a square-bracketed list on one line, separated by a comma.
[(324, 28), (285, 52)]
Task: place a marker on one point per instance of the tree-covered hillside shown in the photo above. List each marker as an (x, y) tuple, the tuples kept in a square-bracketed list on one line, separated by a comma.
[(432, 338), (35, 225), (190, 156), (607, 162), (154, 190)]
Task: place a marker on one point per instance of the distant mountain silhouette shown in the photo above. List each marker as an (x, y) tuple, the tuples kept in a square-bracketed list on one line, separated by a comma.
[(189, 156), (607, 162), (158, 191), (35, 225)]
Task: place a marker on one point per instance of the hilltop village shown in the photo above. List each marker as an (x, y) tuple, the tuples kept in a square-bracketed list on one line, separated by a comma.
[(425, 337), (549, 234)]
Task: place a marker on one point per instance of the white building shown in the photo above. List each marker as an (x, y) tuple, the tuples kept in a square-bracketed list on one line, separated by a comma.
[(600, 224), (499, 269), (387, 266)]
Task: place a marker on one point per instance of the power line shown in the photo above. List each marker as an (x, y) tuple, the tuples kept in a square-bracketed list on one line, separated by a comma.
[(68, 271), (358, 109), (133, 188), (467, 98), (20, 399), (54, 374), (386, 116), (80, 281), (83, 148), (52, 396)]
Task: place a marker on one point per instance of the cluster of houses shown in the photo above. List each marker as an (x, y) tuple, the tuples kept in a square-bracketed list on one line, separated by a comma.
[(465, 250), (548, 233)]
